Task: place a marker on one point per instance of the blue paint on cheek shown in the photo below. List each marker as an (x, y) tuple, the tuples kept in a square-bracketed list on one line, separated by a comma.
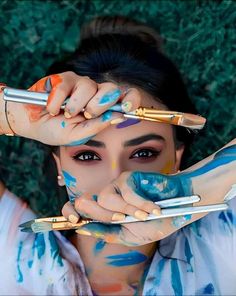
[(69, 179), (110, 97), (98, 247), (128, 122), (20, 275), (106, 116), (175, 278), (130, 258), (80, 142)]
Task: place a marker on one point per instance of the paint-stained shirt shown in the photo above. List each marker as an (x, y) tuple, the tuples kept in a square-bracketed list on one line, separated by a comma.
[(199, 259)]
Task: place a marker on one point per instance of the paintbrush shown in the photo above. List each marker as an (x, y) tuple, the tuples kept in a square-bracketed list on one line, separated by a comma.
[(167, 203), (172, 117), (165, 213)]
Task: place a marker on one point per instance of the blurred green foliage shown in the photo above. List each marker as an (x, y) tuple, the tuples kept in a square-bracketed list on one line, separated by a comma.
[(199, 36)]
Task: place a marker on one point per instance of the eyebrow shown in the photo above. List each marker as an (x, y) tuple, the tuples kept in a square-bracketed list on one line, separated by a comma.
[(133, 142), (94, 143), (142, 139)]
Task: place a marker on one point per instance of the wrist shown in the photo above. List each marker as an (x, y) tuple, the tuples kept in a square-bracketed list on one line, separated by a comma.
[(5, 126)]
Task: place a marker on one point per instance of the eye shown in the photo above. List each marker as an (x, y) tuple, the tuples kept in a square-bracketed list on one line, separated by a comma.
[(86, 156), (145, 153)]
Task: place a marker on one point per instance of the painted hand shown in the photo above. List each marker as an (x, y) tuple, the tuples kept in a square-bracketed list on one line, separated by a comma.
[(50, 126), (132, 194)]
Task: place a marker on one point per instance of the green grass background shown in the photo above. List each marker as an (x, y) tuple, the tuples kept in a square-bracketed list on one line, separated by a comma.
[(199, 36)]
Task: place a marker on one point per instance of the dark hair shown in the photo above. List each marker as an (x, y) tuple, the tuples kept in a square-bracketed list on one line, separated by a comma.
[(121, 50)]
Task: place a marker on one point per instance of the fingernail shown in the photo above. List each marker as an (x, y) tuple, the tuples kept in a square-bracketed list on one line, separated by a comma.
[(87, 115), (117, 120), (126, 106), (83, 232), (73, 219), (52, 114), (118, 217), (141, 215), (156, 212), (67, 115)]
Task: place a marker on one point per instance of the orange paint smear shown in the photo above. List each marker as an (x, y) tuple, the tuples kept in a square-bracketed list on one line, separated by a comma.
[(167, 169), (35, 111), (107, 288)]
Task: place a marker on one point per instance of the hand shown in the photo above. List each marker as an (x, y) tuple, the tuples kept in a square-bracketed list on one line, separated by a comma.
[(50, 126), (133, 193), (136, 191)]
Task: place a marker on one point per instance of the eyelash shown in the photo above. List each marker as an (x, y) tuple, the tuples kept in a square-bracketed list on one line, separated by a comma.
[(92, 156), (88, 154), (154, 153)]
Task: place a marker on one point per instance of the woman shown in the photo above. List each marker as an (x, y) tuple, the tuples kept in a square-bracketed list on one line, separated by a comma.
[(128, 66)]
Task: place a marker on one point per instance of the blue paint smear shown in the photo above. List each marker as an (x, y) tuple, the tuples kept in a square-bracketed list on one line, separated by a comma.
[(207, 290), (130, 258), (20, 275), (222, 157), (80, 142), (95, 197), (98, 247), (159, 186), (128, 122), (63, 124), (100, 230), (175, 278), (195, 227), (69, 179), (188, 254), (39, 244), (116, 108), (110, 97), (106, 116), (160, 268), (54, 249)]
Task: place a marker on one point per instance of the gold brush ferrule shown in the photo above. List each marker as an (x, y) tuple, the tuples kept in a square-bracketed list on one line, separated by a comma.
[(69, 225)]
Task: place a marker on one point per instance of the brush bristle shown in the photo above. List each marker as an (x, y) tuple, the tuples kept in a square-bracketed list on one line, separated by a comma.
[(41, 227), (26, 224)]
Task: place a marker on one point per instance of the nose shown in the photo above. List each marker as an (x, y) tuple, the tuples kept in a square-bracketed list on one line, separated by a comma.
[(115, 170)]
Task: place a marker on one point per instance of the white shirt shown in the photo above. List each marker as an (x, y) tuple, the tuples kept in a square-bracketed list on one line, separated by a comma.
[(199, 259)]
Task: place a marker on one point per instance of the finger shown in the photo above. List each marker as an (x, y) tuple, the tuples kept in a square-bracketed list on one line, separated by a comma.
[(108, 94), (89, 208), (114, 202), (117, 234), (133, 198), (131, 100), (83, 132), (61, 86), (83, 92), (70, 213)]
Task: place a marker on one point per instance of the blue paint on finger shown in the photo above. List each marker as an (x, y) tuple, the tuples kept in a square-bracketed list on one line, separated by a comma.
[(109, 97), (80, 142)]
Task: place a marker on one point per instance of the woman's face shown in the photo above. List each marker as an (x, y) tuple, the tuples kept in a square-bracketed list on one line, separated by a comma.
[(145, 146)]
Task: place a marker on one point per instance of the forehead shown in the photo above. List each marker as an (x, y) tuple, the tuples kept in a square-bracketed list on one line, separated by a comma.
[(118, 134)]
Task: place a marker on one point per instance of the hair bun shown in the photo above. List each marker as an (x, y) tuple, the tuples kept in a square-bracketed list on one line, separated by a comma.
[(120, 25)]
